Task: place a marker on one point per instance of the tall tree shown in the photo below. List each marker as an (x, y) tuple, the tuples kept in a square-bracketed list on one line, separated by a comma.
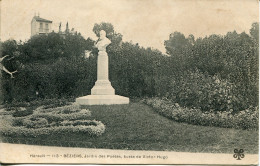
[(176, 43), (254, 31)]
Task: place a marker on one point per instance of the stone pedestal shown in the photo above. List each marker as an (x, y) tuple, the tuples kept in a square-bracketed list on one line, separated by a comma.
[(102, 93), (102, 85), (102, 100)]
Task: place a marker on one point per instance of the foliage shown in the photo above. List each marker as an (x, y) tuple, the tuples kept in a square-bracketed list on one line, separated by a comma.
[(70, 112), (205, 92), (254, 31), (177, 43), (129, 73), (246, 119), (35, 122), (48, 103), (21, 111), (56, 80), (43, 63), (60, 120), (48, 48), (232, 59)]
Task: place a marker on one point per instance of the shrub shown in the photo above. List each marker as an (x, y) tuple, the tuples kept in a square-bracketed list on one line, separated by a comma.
[(247, 119), (59, 110), (51, 115), (91, 130), (78, 122), (198, 90), (48, 103), (60, 103), (70, 112), (22, 111), (35, 122), (59, 117)]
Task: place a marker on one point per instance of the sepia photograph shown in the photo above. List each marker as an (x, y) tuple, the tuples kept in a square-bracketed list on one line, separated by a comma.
[(129, 82)]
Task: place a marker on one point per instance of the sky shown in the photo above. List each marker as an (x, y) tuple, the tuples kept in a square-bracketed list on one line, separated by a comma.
[(147, 22)]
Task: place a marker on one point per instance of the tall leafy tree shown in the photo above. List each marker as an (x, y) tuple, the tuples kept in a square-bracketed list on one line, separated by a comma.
[(176, 43), (254, 31)]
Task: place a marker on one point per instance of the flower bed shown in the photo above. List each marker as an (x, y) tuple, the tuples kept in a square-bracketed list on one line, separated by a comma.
[(51, 116), (246, 119), (95, 128), (60, 120)]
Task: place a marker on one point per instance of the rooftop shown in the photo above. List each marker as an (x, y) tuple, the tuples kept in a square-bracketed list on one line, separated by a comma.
[(37, 18)]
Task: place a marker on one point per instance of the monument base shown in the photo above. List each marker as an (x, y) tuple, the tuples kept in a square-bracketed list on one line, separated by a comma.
[(102, 87), (102, 100)]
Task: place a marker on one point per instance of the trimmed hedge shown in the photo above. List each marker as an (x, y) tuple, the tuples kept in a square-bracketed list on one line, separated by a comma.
[(70, 112), (21, 111), (92, 130), (58, 117), (59, 110), (246, 119), (35, 122), (51, 121)]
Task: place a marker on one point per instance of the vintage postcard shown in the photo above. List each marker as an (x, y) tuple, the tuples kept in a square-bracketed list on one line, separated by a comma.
[(129, 82)]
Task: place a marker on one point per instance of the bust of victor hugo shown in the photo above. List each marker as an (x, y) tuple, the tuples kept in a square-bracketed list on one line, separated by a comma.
[(103, 41)]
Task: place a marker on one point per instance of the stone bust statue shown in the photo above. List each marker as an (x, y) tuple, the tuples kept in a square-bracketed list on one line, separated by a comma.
[(103, 41)]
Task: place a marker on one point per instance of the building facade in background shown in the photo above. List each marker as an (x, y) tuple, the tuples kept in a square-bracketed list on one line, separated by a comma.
[(40, 26)]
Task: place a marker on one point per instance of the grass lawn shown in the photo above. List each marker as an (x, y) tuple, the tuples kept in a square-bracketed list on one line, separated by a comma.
[(138, 127)]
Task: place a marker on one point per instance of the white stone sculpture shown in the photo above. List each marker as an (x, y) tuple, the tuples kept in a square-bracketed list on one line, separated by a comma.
[(102, 85), (102, 93)]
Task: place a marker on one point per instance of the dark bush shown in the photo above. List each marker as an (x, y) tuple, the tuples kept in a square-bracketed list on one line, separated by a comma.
[(35, 123), (205, 92)]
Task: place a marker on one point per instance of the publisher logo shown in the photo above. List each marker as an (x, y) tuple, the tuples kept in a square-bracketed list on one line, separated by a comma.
[(239, 154)]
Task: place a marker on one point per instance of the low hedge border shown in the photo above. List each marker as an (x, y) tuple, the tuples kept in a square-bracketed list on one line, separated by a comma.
[(51, 116), (56, 114), (246, 119), (91, 130), (60, 110)]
